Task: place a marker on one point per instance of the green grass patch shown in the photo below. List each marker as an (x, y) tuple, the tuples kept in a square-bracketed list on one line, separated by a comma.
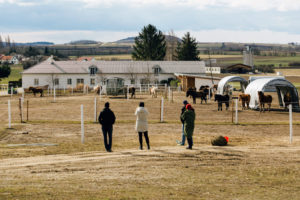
[(15, 74)]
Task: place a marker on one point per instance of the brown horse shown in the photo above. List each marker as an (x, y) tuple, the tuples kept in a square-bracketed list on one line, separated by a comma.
[(245, 98), (131, 91), (264, 99), (36, 90), (97, 89), (194, 94), (287, 100)]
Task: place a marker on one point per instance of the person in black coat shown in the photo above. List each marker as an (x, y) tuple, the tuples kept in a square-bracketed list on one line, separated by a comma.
[(107, 119), (185, 102)]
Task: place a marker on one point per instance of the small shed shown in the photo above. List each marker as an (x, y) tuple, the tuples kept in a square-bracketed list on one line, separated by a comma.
[(279, 85), (237, 69), (223, 84)]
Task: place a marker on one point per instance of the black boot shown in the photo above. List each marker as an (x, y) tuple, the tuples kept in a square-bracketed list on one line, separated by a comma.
[(190, 142)]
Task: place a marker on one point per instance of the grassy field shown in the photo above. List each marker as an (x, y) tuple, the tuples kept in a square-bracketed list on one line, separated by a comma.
[(257, 164), (14, 74), (263, 60)]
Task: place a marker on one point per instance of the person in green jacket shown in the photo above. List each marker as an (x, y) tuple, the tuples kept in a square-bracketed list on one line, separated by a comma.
[(188, 117)]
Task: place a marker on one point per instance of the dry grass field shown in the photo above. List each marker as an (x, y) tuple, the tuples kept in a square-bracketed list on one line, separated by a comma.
[(258, 163)]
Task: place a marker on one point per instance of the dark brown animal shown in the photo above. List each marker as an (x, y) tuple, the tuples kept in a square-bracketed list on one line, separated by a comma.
[(287, 100), (245, 98), (194, 94), (264, 99), (131, 91), (222, 99), (36, 90)]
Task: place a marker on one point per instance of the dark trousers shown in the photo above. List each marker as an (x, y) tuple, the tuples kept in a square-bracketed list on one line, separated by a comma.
[(190, 142), (107, 131), (146, 138)]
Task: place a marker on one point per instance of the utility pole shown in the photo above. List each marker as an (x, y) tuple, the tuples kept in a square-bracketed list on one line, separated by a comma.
[(212, 79)]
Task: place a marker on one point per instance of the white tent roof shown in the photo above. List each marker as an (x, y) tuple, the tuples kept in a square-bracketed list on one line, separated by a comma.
[(225, 80), (265, 85)]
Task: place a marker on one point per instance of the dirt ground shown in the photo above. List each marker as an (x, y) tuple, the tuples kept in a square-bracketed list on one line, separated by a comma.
[(44, 158)]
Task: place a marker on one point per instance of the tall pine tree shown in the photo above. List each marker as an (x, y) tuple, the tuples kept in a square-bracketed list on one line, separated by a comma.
[(149, 45), (1, 43), (187, 48)]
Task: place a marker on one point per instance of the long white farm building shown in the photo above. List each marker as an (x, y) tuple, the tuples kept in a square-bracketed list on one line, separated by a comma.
[(70, 73)]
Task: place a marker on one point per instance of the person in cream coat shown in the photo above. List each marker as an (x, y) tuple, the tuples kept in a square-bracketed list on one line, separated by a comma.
[(142, 124)]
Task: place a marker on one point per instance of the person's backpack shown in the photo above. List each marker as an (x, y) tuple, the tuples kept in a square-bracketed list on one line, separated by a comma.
[(219, 141)]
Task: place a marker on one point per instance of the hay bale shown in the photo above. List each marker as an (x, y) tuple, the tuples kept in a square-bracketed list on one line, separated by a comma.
[(219, 141)]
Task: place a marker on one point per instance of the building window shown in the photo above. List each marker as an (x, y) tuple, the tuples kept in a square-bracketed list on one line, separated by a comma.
[(80, 80), (93, 70), (69, 81), (156, 71), (56, 81), (92, 81), (132, 81), (36, 81)]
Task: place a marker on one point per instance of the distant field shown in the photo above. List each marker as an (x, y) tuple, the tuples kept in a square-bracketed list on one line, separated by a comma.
[(14, 75), (277, 61)]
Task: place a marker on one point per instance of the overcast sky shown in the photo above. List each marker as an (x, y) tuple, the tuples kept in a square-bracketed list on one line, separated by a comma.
[(61, 21)]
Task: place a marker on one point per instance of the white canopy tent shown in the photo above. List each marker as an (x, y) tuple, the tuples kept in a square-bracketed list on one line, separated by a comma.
[(279, 85), (223, 84)]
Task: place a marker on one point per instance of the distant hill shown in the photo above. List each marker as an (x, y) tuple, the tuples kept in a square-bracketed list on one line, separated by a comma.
[(35, 44), (126, 40), (131, 39), (82, 42)]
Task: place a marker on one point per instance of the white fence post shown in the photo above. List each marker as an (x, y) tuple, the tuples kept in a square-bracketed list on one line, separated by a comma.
[(209, 94), (95, 109), (236, 111), (127, 92), (162, 110), (82, 125), (22, 106), (169, 93), (54, 94), (291, 123), (48, 91), (64, 89), (9, 115), (100, 93), (140, 89)]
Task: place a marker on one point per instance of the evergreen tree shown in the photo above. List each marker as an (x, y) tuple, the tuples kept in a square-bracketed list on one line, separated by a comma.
[(46, 51), (4, 71), (31, 51), (187, 48), (8, 41), (1, 43), (149, 45)]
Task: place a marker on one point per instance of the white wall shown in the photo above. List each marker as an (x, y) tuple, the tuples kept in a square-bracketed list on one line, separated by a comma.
[(215, 70), (46, 79), (199, 82)]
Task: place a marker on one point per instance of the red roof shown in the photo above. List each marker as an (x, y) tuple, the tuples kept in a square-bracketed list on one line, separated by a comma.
[(6, 57), (85, 59)]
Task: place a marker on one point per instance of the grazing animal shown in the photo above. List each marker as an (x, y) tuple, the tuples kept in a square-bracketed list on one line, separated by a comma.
[(153, 91), (36, 90), (194, 94), (264, 99), (222, 99), (245, 98), (287, 100), (97, 89), (131, 91)]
